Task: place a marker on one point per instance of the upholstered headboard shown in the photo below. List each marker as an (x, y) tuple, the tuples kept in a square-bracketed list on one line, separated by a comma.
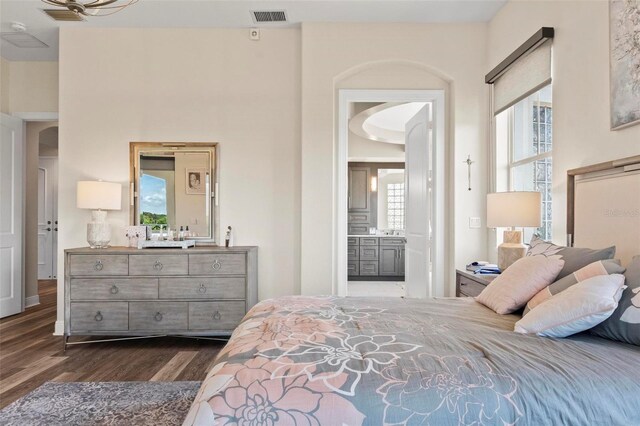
[(604, 206)]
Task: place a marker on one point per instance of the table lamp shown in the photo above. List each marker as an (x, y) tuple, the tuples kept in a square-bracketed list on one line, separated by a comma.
[(513, 209), (99, 196)]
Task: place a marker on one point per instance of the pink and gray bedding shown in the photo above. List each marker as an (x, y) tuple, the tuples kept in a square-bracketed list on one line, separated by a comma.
[(624, 324), (601, 267), (574, 257), (372, 361)]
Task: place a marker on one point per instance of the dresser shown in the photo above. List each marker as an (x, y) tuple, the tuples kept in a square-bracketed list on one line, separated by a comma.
[(121, 291), (469, 284)]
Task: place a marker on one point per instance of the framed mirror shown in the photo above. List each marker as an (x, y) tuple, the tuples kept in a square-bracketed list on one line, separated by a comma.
[(173, 185)]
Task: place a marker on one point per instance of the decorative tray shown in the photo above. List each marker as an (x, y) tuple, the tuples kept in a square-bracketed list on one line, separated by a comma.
[(142, 244)]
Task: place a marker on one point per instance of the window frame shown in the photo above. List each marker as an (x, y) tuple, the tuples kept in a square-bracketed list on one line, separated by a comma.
[(512, 164)]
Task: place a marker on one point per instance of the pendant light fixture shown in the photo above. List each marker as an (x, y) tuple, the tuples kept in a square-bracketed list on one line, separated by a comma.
[(92, 7)]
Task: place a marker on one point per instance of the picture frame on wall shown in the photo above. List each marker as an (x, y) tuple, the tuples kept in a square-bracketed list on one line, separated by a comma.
[(624, 63), (195, 181)]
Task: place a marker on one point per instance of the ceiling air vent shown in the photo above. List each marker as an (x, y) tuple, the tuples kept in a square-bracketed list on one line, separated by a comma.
[(63, 15), (269, 16), (23, 40)]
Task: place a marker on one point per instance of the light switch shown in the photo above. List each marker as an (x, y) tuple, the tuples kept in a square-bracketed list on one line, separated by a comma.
[(474, 223)]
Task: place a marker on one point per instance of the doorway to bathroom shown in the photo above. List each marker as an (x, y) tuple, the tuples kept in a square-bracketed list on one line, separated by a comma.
[(391, 186)]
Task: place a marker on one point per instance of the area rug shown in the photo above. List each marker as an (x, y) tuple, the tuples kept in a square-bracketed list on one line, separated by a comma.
[(103, 403)]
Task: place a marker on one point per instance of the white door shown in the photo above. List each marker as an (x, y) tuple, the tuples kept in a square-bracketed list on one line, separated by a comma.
[(417, 204), (11, 205), (47, 220)]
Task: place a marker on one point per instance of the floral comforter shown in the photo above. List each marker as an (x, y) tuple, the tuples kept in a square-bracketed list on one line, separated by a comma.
[(373, 361)]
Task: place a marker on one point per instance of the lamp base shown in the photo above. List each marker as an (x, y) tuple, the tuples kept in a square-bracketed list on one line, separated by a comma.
[(511, 249), (98, 230)]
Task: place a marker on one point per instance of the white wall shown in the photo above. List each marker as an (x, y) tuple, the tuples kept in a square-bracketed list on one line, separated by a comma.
[(362, 149), (189, 85), (580, 85), (390, 56)]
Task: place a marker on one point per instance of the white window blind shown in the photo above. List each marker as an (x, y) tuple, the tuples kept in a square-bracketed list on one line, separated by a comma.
[(526, 76)]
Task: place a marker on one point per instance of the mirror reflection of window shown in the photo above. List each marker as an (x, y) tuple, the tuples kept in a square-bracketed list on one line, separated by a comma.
[(153, 202), (391, 199)]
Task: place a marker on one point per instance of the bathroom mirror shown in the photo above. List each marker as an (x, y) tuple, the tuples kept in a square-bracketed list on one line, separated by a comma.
[(173, 186)]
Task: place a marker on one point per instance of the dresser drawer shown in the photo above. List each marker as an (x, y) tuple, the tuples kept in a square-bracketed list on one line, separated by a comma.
[(164, 264), (98, 264), (368, 268), (215, 315), (217, 264), (158, 315), (114, 288), (353, 241), (99, 316), (469, 287), (368, 241), (202, 288)]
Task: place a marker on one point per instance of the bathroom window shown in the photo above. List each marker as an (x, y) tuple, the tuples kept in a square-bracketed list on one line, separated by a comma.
[(395, 205)]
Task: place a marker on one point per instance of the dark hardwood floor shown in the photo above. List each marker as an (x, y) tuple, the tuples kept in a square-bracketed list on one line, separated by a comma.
[(30, 354)]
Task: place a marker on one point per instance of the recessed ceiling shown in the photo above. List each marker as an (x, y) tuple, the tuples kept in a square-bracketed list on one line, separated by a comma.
[(235, 14), (385, 122)]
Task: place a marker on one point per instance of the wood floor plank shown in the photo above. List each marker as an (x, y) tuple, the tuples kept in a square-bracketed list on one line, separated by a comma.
[(173, 368), (30, 371), (31, 355)]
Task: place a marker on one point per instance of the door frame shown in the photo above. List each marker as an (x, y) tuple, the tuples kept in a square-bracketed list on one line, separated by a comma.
[(440, 254)]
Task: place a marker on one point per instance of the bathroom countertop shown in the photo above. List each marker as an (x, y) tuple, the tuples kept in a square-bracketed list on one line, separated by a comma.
[(378, 236)]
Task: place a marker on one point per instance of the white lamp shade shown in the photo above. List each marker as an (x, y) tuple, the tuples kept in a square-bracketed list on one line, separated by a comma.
[(519, 209), (98, 195)]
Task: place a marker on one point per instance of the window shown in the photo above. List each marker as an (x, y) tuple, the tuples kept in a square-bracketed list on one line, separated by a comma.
[(395, 205), (153, 202), (530, 147)]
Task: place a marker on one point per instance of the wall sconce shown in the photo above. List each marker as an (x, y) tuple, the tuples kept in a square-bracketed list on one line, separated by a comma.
[(374, 183)]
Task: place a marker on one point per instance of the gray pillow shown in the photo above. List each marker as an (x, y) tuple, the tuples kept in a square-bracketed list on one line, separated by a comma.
[(601, 267), (624, 324), (574, 257)]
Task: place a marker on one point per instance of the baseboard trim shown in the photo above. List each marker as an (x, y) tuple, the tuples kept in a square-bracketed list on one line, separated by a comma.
[(59, 328), (31, 301)]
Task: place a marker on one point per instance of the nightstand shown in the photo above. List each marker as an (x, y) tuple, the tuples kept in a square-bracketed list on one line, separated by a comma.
[(469, 284)]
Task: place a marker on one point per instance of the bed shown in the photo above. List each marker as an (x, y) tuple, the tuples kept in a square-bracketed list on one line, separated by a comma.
[(372, 361), (447, 361)]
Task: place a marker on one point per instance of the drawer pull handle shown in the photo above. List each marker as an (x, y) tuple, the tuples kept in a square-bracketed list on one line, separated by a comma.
[(157, 266), (217, 316), (98, 266), (216, 265), (114, 289), (202, 289), (158, 316), (98, 317)]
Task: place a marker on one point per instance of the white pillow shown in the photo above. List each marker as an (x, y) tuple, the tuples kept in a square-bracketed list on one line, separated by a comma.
[(512, 289), (578, 308)]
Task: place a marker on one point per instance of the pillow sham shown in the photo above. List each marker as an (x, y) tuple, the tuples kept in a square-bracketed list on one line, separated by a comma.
[(576, 309), (574, 257), (624, 323), (601, 267), (512, 289)]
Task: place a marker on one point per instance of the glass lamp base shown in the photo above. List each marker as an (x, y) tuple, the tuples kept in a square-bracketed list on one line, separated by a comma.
[(98, 234)]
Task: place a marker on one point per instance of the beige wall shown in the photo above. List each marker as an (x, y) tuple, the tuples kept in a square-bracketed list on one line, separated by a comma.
[(28, 86), (390, 56), (362, 149), (5, 76), (582, 135), (209, 85), (32, 154)]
